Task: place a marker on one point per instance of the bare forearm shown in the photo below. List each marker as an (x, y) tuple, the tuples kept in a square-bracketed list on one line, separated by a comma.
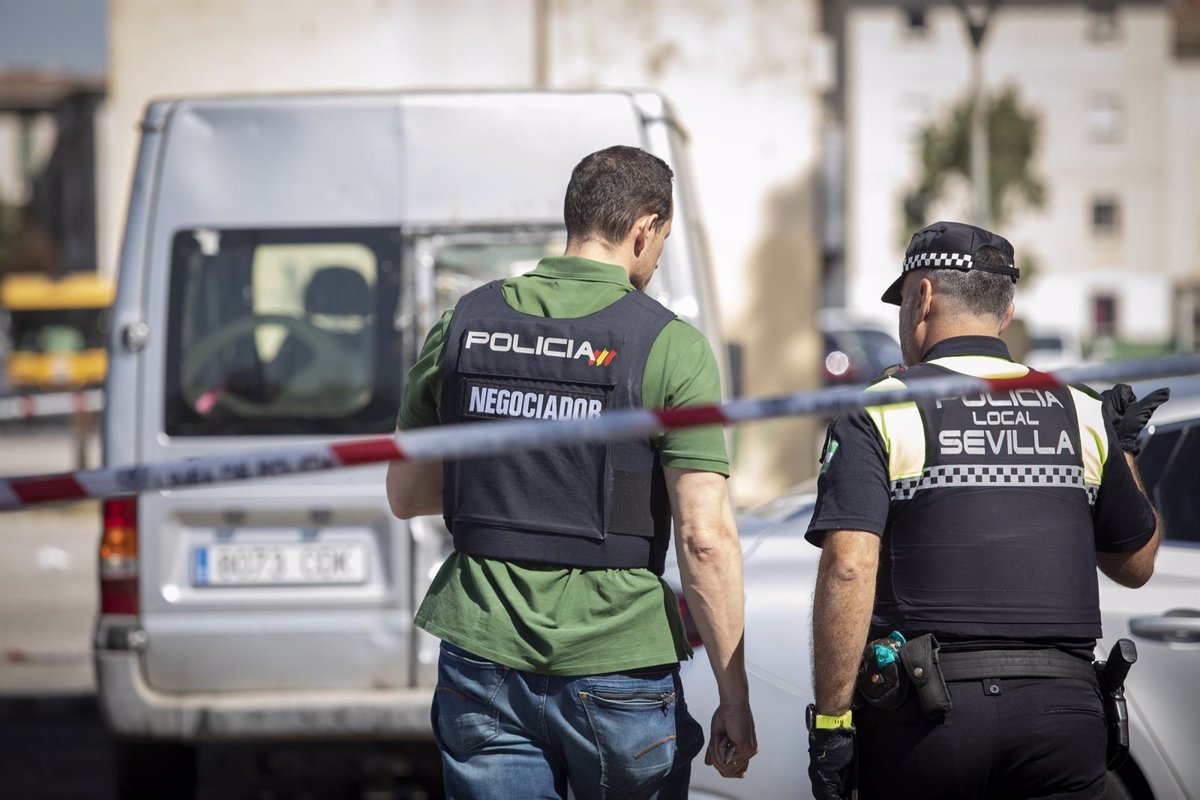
[(414, 489), (711, 568), (842, 604)]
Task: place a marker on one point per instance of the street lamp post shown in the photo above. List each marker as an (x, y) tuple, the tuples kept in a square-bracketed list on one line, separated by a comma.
[(976, 15)]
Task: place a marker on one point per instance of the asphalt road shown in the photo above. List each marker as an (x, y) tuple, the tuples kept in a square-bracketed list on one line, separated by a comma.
[(55, 747), (53, 742), (47, 573)]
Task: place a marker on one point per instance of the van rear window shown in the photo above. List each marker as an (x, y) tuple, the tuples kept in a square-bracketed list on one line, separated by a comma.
[(284, 332)]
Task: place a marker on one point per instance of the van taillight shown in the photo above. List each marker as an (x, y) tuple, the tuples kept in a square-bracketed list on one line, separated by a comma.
[(118, 557), (689, 625)]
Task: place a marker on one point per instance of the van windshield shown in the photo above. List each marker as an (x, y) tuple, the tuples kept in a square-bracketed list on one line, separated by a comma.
[(465, 264), (276, 332)]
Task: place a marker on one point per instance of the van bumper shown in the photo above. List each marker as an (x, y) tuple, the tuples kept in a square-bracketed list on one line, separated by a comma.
[(135, 709)]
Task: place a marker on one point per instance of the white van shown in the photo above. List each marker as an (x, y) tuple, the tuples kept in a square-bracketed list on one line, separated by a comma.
[(283, 259)]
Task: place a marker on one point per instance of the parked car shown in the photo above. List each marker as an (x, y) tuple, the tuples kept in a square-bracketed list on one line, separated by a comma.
[(284, 257), (1162, 618), (855, 351), (1050, 350)]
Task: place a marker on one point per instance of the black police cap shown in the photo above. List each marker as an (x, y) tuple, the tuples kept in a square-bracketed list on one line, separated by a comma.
[(951, 245)]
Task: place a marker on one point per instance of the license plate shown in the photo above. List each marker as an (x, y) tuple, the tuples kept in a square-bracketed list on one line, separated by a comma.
[(305, 563)]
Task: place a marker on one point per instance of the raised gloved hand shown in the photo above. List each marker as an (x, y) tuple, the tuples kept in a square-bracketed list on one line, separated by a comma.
[(1128, 415), (830, 758)]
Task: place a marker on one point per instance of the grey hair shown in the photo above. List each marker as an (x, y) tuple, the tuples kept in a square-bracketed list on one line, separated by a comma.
[(976, 291)]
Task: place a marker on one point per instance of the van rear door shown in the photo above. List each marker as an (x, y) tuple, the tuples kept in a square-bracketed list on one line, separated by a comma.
[(278, 305)]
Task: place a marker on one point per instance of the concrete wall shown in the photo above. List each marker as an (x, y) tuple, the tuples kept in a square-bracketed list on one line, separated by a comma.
[(899, 80), (745, 79), (1182, 211), (187, 47)]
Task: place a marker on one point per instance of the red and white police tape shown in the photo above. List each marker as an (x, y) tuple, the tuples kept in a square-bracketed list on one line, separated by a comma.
[(471, 440), (50, 405)]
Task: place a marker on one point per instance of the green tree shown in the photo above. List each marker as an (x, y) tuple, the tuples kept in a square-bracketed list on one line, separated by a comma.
[(945, 151)]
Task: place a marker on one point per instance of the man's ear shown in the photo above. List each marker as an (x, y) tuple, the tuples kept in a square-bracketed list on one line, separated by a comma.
[(642, 230), (1008, 315), (926, 297)]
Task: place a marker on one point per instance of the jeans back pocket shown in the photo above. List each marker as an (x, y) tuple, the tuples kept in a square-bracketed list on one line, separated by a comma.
[(465, 715), (633, 723)]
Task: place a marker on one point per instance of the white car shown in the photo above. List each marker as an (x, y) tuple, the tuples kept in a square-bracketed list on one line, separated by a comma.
[(1162, 618), (1050, 350)]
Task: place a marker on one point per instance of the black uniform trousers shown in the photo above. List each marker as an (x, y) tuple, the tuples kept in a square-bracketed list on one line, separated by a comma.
[(1004, 739)]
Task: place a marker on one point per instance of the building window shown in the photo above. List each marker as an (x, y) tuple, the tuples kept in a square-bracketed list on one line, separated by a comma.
[(1106, 216), (1104, 315), (1105, 117), (1102, 23), (915, 17)]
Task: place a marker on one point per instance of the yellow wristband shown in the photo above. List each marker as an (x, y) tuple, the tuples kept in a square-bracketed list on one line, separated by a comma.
[(822, 722)]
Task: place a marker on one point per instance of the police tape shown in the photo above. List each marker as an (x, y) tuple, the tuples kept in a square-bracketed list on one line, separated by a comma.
[(50, 405), (502, 437)]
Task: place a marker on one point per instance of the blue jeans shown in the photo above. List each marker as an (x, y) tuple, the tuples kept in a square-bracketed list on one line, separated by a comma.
[(511, 735)]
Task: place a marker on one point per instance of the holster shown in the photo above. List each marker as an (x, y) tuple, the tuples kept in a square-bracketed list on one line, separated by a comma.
[(1111, 677), (1116, 714)]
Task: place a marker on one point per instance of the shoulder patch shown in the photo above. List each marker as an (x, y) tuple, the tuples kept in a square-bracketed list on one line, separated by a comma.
[(831, 448)]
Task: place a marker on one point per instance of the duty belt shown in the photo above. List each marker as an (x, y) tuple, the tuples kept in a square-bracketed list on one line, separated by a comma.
[(980, 664)]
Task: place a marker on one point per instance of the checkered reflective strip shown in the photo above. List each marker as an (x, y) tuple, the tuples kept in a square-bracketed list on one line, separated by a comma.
[(1066, 476), (937, 260)]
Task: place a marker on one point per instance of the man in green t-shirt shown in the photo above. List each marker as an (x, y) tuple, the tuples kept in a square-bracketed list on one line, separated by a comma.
[(560, 641)]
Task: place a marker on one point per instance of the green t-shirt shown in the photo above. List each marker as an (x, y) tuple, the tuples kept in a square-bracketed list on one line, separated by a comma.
[(561, 620)]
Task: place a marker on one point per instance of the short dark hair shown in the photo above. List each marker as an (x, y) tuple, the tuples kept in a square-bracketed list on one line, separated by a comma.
[(977, 291), (611, 188)]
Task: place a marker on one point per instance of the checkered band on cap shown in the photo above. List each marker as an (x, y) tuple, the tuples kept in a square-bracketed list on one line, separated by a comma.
[(937, 261)]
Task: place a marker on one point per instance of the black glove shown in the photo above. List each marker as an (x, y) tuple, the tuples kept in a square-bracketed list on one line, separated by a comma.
[(1128, 415), (830, 758)]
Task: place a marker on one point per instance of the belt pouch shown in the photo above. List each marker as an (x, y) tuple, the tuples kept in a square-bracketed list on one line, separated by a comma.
[(920, 660), (881, 685)]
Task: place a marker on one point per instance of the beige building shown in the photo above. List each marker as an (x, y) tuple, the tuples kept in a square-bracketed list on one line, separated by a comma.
[(1119, 155), (745, 78)]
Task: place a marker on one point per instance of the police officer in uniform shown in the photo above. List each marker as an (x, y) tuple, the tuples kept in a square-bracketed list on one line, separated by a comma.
[(560, 641), (961, 537)]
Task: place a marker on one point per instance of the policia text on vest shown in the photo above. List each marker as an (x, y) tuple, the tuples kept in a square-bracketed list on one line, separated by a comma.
[(1005, 425), (521, 338)]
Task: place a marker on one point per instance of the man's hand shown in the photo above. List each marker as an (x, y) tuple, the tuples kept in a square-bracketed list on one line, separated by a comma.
[(732, 743), (1128, 415), (830, 762)]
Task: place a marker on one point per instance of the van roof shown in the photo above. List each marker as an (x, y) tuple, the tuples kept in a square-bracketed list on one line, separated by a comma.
[(651, 103), (434, 159)]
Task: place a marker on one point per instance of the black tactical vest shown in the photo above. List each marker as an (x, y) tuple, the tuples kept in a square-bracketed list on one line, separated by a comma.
[(594, 505), (990, 532)]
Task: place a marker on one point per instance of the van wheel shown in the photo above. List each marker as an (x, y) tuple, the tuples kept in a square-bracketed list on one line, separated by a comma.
[(155, 770)]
